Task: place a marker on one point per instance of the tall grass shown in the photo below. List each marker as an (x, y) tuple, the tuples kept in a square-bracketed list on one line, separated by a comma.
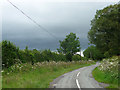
[(107, 72), (38, 75)]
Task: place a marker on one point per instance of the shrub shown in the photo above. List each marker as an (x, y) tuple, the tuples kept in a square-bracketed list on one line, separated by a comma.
[(76, 58), (12, 55), (110, 67), (9, 53)]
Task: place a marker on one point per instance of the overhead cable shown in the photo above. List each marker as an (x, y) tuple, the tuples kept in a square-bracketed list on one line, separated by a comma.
[(40, 26)]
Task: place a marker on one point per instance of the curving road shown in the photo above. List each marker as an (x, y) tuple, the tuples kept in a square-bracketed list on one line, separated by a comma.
[(80, 78)]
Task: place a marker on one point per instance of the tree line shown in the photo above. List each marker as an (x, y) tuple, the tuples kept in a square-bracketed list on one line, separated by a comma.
[(67, 52), (104, 33), (12, 55)]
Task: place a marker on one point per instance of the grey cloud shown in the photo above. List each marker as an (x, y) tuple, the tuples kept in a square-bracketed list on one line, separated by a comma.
[(58, 18)]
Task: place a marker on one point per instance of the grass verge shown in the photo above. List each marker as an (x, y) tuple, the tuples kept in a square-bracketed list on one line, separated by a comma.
[(39, 75), (104, 77), (108, 72)]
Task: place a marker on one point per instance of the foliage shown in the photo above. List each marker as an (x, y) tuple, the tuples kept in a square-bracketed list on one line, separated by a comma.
[(105, 30), (9, 53), (108, 72), (47, 55), (93, 53), (110, 65), (12, 55), (76, 58), (69, 46), (84, 58), (38, 75)]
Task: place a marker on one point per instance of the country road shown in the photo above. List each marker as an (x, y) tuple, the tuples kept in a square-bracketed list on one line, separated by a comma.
[(80, 78)]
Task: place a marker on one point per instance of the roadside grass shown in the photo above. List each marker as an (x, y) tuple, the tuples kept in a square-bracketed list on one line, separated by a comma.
[(39, 75), (107, 72), (103, 77), (0, 81)]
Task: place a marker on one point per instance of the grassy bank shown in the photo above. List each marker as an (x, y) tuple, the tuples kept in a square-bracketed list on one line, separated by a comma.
[(0, 82), (107, 72), (38, 75)]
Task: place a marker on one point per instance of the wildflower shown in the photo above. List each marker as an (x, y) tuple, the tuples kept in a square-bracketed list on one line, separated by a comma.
[(111, 63), (7, 73), (2, 71), (101, 66)]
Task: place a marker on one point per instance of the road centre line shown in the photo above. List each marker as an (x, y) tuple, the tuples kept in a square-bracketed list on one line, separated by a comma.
[(78, 74), (78, 85)]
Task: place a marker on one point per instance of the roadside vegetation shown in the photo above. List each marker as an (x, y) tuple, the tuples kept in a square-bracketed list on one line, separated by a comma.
[(37, 68), (105, 31), (108, 71), (12, 54), (93, 53), (38, 75), (69, 46), (104, 36)]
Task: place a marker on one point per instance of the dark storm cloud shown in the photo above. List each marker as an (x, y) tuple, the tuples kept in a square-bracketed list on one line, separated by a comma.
[(58, 18), (39, 39)]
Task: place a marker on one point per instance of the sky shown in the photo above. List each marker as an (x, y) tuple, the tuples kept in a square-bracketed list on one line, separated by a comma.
[(58, 17)]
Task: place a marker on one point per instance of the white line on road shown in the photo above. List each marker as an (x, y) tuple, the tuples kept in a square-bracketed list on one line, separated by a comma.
[(78, 84), (78, 74)]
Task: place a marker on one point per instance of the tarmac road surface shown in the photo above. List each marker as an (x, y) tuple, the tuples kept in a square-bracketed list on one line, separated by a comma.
[(80, 78)]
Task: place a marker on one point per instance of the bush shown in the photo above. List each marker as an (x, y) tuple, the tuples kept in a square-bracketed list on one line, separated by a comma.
[(84, 58), (9, 53), (12, 55), (69, 56), (108, 72), (110, 66), (93, 53), (76, 58)]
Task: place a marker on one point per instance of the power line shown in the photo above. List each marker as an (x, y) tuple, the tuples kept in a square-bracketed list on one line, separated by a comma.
[(32, 20)]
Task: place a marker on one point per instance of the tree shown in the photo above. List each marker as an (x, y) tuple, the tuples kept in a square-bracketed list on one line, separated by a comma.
[(47, 55), (105, 30), (76, 57), (93, 53), (36, 55), (29, 55), (69, 46), (9, 53)]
